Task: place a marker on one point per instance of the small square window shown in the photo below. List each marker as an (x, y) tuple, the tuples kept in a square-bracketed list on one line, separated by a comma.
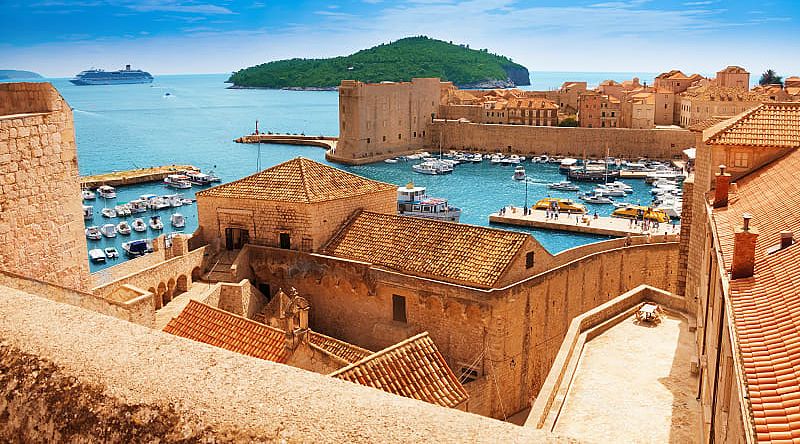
[(529, 259)]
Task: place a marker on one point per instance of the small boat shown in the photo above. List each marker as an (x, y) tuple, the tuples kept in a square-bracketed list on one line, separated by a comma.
[(138, 225), (564, 185), (596, 198), (566, 165), (88, 195), (155, 223), (639, 212), (179, 181), (108, 212), (107, 192), (433, 167), (124, 228), (412, 201), (122, 210), (620, 186), (136, 248), (97, 255), (475, 158), (519, 173), (592, 175), (137, 206), (93, 233), (88, 212), (390, 161), (158, 203), (177, 220), (174, 200), (563, 205), (198, 178), (109, 230), (187, 201), (111, 253), (607, 191)]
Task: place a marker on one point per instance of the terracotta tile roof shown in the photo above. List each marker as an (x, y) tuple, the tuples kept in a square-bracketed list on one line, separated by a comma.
[(769, 124), (735, 69), (708, 123), (718, 93), (343, 350), (766, 307), (413, 368), (298, 180), (203, 323), (449, 251)]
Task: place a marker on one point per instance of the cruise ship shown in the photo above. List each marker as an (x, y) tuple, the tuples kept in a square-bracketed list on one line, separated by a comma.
[(123, 76)]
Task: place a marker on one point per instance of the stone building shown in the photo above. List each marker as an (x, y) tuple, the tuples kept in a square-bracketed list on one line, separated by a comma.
[(532, 111), (500, 107), (568, 96), (385, 118), (598, 110), (637, 111), (41, 223), (740, 253), (733, 77), (703, 102)]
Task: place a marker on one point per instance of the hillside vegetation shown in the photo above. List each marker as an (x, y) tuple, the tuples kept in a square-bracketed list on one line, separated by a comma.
[(9, 74), (396, 61)]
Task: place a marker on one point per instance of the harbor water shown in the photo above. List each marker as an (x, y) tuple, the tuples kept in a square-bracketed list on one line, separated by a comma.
[(122, 127)]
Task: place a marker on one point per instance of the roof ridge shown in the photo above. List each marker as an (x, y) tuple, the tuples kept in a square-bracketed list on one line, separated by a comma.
[(322, 335), (231, 314), (447, 222), (303, 166), (736, 120), (380, 353)]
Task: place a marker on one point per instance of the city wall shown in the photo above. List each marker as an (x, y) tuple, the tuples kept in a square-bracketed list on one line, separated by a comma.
[(72, 375), (510, 335), (531, 140)]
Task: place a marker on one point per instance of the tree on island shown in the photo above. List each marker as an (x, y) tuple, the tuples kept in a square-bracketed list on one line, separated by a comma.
[(569, 121), (770, 78)]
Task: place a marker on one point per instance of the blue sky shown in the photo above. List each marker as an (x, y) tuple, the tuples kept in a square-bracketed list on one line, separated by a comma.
[(62, 37)]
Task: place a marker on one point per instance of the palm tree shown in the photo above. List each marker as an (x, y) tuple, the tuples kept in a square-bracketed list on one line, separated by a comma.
[(770, 78)]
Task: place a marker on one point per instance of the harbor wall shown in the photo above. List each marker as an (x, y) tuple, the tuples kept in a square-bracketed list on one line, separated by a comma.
[(41, 220), (510, 335), (532, 140)]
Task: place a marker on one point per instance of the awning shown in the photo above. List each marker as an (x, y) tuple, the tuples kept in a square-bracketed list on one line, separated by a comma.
[(691, 153)]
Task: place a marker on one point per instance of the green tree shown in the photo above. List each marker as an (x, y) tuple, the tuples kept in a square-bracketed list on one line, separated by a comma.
[(569, 121), (770, 78)]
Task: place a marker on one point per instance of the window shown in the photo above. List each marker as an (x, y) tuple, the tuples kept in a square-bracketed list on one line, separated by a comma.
[(415, 134), (740, 160), (399, 136), (423, 134), (529, 259), (384, 138), (399, 308), (285, 241), (468, 373), (368, 139)]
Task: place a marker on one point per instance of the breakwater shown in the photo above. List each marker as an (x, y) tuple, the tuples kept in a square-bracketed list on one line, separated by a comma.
[(131, 177)]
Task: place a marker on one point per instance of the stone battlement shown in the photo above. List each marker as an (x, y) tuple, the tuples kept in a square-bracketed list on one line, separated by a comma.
[(29, 98)]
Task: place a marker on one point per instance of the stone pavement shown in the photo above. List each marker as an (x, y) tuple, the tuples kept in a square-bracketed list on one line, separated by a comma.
[(603, 225)]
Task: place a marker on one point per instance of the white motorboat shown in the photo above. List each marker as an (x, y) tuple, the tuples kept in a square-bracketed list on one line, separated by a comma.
[(107, 192), (158, 203), (412, 201), (174, 200), (177, 220), (564, 185), (390, 161), (136, 248), (620, 186), (519, 173), (138, 225), (137, 206), (88, 212), (108, 212), (433, 167), (97, 255), (111, 253), (604, 190), (88, 195), (179, 181), (93, 233), (123, 210), (198, 178), (596, 199), (497, 159), (155, 223), (109, 230), (124, 228), (566, 164), (187, 201)]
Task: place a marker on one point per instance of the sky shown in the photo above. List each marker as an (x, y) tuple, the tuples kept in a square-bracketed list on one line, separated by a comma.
[(59, 38)]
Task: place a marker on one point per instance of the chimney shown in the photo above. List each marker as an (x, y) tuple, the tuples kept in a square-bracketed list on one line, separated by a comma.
[(723, 182), (744, 249), (787, 239)]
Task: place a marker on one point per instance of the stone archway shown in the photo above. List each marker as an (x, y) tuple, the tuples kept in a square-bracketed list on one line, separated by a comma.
[(162, 293), (197, 273), (171, 288), (182, 284), (156, 299)]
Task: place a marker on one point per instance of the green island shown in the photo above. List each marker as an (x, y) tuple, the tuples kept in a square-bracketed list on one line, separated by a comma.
[(12, 74), (396, 61)]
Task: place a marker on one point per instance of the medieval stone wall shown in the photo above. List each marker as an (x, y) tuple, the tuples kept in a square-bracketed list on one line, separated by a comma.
[(41, 220), (529, 140)]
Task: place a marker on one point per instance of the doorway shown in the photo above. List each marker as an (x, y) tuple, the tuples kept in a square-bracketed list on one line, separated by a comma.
[(236, 238), (285, 241)]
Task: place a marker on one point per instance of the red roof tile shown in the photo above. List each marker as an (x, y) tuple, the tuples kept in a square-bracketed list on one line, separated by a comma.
[(413, 368), (343, 350), (769, 124)]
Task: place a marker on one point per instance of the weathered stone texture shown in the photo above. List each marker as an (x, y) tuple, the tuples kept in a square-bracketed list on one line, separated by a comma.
[(41, 221)]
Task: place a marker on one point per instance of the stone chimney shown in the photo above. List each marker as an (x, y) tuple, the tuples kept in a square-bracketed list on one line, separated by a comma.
[(744, 249), (721, 188)]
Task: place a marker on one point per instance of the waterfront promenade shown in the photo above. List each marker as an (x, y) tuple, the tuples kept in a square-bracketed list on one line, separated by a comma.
[(586, 223)]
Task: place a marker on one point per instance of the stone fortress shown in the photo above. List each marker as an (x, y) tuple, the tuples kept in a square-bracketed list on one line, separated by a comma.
[(305, 309)]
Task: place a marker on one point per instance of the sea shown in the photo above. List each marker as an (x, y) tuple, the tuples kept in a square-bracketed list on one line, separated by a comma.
[(193, 119)]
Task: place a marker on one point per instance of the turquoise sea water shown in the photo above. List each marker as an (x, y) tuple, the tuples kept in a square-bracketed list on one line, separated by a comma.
[(128, 126)]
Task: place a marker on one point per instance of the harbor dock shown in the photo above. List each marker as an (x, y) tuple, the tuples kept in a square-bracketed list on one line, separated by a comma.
[(585, 223), (130, 177), (328, 143)]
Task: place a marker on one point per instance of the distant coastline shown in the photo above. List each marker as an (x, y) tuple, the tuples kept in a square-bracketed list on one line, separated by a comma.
[(15, 74), (289, 88)]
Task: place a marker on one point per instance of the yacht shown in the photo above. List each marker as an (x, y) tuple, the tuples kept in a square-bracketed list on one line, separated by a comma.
[(88, 195), (155, 223), (564, 185), (107, 192), (158, 203), (519, 173), (593, 174), (390, 161), (596, 198), (108, 230), (566, 165), (433, 167), (174, 200), (97, 255), (136, 248), (108, 212), (604, 190), (88, 212), (177, 220), (198, 178), (620, 186), (93, 233), (563, 205), (124, 228), (138, 225), (639, 212), (111, 253), (137, 206), (178, 181), (412, 201)]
